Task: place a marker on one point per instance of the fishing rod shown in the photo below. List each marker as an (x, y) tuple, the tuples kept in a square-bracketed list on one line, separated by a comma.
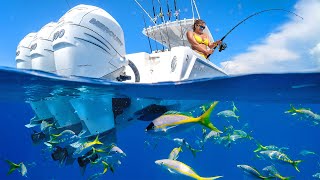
[(223, 46), (176, 13), (154, 13), (155, 21), (165, 24), (145, 26), (169, 11)]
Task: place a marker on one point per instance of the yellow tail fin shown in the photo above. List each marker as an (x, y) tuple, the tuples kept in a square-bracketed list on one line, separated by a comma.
[(13, 166), (295, 164), (105, 167), (260, 147), (204, 119), (96, 141), (292, 109)]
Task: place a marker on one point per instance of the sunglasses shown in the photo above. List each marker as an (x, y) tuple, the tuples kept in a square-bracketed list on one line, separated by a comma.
[(202, 27)]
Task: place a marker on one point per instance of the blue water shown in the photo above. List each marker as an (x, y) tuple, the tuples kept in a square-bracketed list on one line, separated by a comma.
[(261, 99)]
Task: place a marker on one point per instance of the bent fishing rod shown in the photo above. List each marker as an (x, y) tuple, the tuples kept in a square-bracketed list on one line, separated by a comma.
[(223, 45)]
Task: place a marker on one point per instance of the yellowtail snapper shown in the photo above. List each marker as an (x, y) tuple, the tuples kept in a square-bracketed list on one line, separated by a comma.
[(178, 167), (172, 119)]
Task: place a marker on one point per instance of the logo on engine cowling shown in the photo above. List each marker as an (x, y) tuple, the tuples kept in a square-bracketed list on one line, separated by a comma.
[(106, 29)]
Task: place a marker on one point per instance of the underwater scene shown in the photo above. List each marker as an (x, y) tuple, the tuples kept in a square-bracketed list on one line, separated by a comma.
[(259, 126)]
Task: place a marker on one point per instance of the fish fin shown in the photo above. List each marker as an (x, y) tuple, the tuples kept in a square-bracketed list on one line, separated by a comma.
[(292, 110), (13, 166), (171, 171), (189, 114), (260, 147), (209, 178), (204, 119), (237, 117), (295, 164), (234, 108), (105, 167), (96, 141), (30, 125), (54, 136), (82, 133)]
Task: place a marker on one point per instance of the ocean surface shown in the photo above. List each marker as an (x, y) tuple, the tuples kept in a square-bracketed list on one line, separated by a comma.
[(261, 100)]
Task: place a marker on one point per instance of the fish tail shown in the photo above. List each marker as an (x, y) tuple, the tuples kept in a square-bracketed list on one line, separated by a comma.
[(96, 141), (54, 136), (295, 164), (209, 178), (237, 117), (292, 109), (234, 108), (204, 119), (105, 167), (260, 147), (13, 166), (194, 151)]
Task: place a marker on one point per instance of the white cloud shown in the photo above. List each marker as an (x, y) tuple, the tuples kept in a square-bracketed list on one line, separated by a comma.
[(293, 47), (315, 53)]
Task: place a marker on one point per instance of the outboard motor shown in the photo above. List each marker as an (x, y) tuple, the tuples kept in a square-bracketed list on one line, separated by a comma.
[(41, 49), (42, 58), (89, 42), (23, 58)]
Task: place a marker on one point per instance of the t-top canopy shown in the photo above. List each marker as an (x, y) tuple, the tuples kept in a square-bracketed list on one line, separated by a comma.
[(173, 33)]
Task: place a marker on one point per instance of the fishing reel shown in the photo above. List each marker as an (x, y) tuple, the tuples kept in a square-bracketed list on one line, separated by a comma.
[(222, 46)]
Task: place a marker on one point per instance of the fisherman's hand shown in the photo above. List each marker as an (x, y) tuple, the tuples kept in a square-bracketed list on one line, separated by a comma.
[(209, 51), (218, 42)]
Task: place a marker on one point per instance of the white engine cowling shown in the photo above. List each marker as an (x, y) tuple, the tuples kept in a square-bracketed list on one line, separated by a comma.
[(89, 42), (23, 59), (41, 49)]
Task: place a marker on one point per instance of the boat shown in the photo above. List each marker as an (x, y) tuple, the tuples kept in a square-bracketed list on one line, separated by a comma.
[(88, 42)]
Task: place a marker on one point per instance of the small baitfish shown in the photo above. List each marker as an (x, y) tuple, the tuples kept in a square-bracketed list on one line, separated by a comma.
[(316, 176), (183, 142), (174, 166), (174, 154), (280, 157), (274, 172), (20, 167), (307, 152), (211, 134), (172, 119), (115, 150), (228, 114), (251, 171)]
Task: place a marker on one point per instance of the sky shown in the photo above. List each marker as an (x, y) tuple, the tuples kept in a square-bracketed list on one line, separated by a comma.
[(272, 42)]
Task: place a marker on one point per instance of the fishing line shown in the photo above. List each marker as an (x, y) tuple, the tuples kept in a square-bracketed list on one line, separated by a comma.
[(223, 46)]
